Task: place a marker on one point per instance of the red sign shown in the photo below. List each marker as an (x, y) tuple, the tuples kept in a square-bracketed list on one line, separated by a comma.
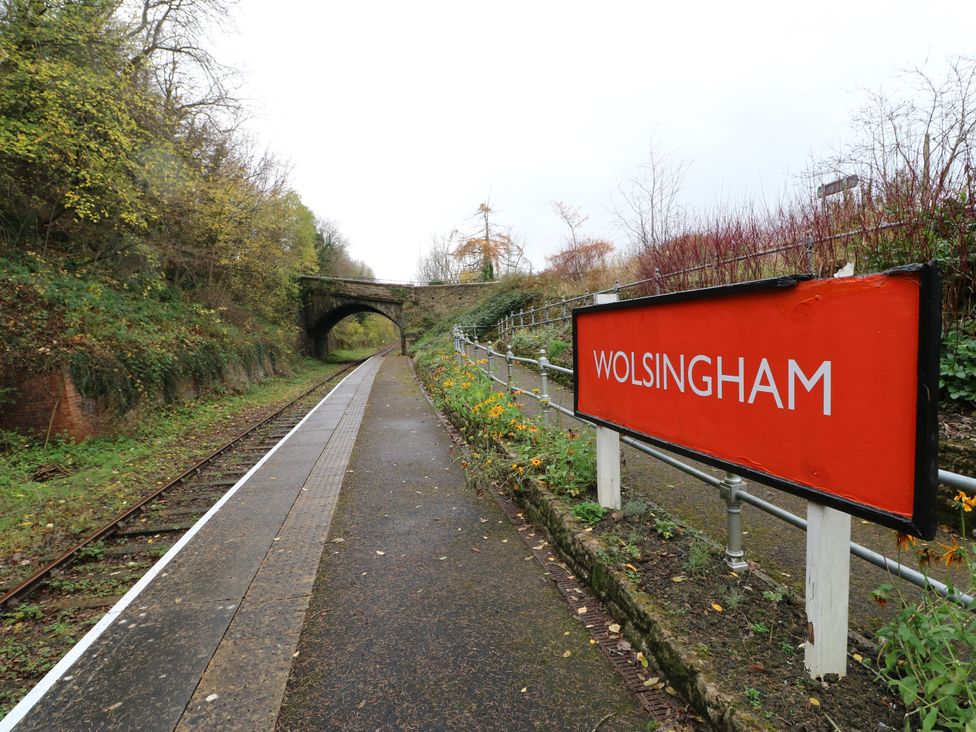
[(825, 388)]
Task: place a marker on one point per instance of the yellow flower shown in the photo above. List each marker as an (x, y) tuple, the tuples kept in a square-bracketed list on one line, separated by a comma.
[(965, 501), (448, 383), (533, 428), (536, 462)]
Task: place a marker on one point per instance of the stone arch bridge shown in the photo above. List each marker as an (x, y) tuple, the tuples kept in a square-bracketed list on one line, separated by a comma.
[(328, 300)]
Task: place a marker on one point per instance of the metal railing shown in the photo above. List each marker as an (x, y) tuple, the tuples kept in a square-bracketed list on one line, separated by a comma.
[(731, 488)]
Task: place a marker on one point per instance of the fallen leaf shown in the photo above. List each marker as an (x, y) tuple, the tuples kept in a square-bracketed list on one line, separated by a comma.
[(581, 610), (643, 661), (592, 642), (476, 549), (614, 627), (567, 654), (814, 701), (651, 681), (670, 690), (338, 540), (566, 633), (441, 559), (623, 645), (382, 554), (717, 608), (679, 578), (858, 657), (631, 567), (524, 689), (361, 704), (113, 707)]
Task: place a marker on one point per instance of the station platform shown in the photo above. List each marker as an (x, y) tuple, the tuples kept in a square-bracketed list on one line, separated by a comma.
[(206, 639), (353, 580)]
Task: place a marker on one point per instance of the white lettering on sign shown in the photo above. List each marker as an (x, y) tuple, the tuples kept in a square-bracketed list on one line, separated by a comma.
[(664, 371)]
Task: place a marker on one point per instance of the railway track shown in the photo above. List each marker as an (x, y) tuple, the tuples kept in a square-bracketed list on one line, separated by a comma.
[(44, 615)]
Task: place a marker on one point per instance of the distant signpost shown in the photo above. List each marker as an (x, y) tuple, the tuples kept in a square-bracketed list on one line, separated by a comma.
[(836, 186)]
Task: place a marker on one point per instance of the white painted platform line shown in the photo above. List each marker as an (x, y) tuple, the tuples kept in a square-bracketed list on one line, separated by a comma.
[(54, 675)]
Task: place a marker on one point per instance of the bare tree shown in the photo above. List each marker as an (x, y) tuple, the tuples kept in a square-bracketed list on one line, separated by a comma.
[(915, 151), (439, 264), (168, 39), (572, 217), (649, 210)]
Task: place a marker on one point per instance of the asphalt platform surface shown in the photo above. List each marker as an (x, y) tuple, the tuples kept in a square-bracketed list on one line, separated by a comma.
[(428, 612)]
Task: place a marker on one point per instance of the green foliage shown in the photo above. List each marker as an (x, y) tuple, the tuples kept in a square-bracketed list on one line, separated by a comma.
[(957, 377), (665, 528), (121, 340), (701, 558), (755, 697), (527, 342), (759, 628), (928, 651), (773, 596), (561, 460), (590, 512), (482, 318), (635, 508)]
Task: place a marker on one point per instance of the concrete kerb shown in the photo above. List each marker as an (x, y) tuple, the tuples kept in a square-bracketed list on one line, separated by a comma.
[(642, 622)]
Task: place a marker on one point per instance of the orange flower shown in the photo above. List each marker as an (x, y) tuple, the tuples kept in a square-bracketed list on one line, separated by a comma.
[(905, 541), (951, 553), (965, 501), (536, 462)]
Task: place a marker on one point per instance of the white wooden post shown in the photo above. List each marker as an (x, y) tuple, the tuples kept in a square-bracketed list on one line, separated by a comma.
[(827, 590), (607, 448)]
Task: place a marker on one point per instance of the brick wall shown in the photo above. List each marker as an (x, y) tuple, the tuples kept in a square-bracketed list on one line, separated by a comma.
[(46, 400)]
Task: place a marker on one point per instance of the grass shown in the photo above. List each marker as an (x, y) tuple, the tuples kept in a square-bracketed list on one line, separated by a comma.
[(101, 476), (345, 355)]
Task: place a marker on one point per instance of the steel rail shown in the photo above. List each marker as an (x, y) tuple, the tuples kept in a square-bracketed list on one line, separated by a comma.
[(106, 529)]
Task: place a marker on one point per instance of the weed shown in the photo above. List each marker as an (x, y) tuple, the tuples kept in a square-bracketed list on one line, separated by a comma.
[(755, 697), (665, 528), (589, 512), (22, 614), (700, 558), (734, 598), (759, 628), (635, 508), (788, 648), (773, 596), (92, 551), (703, 650)]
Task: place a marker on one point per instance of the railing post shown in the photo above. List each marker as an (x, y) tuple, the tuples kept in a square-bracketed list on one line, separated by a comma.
[(521, 317), (508, 358), (607, 447), (491, 361), (657, 281), (544, 396), (808, 245), (474, 357), (734, 554)]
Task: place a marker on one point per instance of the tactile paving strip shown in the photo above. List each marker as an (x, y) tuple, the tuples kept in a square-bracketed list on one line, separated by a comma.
[(226, 698)]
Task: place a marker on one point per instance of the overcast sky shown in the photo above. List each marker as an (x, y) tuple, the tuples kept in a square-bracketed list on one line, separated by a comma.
[(399, 118)]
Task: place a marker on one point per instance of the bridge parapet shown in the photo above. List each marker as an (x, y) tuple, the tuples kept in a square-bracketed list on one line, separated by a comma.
[(413, 307)]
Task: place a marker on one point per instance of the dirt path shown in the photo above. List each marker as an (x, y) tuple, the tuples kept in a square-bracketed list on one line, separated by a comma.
[(427, 612)]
